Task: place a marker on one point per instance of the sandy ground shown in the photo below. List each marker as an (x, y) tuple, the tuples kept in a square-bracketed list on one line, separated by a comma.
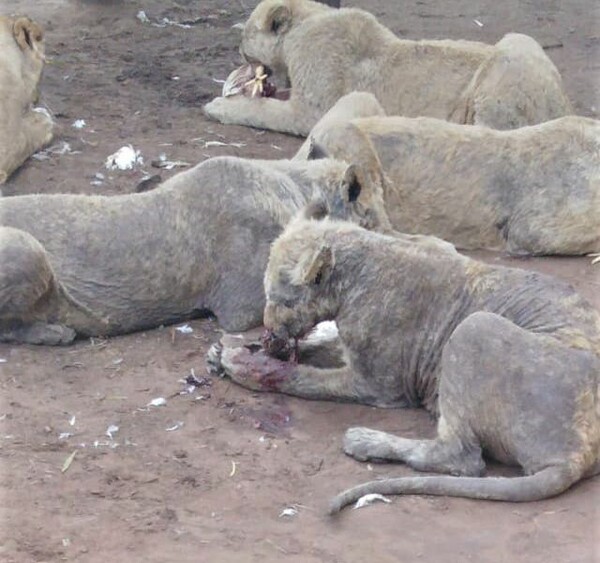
[(206, 477)]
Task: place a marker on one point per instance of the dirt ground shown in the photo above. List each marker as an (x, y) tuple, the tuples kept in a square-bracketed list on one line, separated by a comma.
[(206, 477)]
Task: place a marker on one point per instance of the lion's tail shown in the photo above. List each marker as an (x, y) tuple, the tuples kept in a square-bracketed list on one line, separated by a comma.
[(543, 484), (65, 294)]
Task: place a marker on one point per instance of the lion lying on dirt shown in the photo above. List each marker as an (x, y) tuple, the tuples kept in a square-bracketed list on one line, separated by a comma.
[(23, 130), (534, 190), (75, 265), (326, 52), (510, 359)]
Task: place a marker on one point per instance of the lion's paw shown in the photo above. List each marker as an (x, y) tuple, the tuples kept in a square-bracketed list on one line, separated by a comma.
[(217, 109), (363, 444)]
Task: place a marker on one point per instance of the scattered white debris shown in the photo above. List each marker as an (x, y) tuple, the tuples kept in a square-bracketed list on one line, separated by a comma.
[(218, 80), (175, 78), (277, 148), (289, 512), (189, 389), (44, 111), (208, 144), (478, 23), (66, 542), (68, 462), (158, 402), (164, 22), (175, 426), (78, 124), (112, 429), (126, 158), (98, 179), (3, 360), (72, 420), (262, 439), (366, 500), (184, 329), (64, 435), (111, 444), (595, 258), (162, 162), (239, 25), (141, 15), (59, 149), (369, 467)]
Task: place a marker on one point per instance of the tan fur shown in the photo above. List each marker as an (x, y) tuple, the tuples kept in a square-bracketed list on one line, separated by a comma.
[(23, 131), (508, 358), (534, 190), (95, 265), (327, 53)]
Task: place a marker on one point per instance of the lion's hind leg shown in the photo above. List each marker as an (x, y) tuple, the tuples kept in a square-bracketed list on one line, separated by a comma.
[(522, 397), (29, 292), (525, 398)]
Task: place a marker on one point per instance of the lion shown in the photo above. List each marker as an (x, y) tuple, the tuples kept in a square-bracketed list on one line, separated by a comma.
[(77, 265), (509, 359), (529, 191), (23, 129), (326, 53)]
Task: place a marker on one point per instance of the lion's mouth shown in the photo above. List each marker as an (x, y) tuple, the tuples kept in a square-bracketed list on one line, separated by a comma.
[(285, 349), (253, 80)]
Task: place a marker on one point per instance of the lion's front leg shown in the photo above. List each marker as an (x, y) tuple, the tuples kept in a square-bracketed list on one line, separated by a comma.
[(286, 116), (252, 368), (35, 131)]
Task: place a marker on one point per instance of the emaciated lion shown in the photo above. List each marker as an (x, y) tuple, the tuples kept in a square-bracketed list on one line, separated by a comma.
[(76, 265), (509, 359), (534, 190), (325, 53)]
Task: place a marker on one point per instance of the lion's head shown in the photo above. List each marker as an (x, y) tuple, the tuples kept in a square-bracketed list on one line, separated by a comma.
[(24, 57), (266, 28)]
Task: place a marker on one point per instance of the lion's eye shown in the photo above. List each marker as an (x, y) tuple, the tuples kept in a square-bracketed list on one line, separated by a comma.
[(275, 25), (318, 278)]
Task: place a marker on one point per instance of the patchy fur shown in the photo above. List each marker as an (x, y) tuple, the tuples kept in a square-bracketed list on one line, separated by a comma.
[(509, 359), (534, 190), (93, 265), (326, 53), (23, 130)]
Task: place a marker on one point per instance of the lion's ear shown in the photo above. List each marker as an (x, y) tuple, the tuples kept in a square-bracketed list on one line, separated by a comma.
[(318, 267), (27, 34), (279, 19), (316, 151), (351, 184)]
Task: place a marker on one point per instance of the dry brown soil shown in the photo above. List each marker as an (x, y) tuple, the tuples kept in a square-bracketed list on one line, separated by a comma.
[(213, 489)]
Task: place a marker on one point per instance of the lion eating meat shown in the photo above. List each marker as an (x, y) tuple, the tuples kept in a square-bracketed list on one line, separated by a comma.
[(76, 265), (23, 129), (533, 190), (325, 53), (509, 359)]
